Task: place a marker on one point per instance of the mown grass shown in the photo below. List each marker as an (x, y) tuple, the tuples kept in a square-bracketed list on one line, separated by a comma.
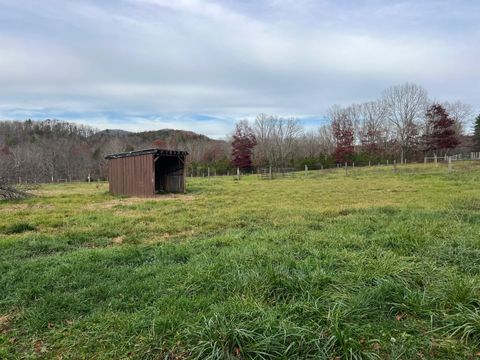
[(373, 265)]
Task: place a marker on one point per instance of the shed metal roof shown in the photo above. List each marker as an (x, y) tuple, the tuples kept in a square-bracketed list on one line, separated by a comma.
[(157, 152)]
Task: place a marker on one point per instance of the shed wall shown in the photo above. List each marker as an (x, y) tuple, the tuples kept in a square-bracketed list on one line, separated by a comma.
[(133, 175)]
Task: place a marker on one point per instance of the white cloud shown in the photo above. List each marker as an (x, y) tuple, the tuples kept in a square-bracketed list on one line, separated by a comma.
[(229, 59)]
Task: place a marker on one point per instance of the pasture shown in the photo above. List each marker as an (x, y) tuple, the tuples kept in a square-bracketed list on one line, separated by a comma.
[(376, 264)]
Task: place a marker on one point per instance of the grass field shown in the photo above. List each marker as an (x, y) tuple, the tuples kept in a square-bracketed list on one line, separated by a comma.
[(373, 265)]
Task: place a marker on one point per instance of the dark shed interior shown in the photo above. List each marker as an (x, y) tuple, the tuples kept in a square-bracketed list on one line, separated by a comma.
[(147, 172), (169, 171)]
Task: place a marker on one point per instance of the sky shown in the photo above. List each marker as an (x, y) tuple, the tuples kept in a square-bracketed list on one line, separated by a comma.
[(201, 65)]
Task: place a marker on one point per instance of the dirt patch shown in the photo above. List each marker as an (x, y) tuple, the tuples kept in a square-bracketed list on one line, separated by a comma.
[(169, 236), (75, 188), (137, 200), (5, 321), (117, 240), (26, 206), (39, 347)]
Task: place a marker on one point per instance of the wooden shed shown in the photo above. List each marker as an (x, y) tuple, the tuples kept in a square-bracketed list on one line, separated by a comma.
[(147, 172)]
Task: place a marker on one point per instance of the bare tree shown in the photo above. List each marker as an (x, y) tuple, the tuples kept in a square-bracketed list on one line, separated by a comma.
[(326, 139), (6, 161), (263, 129), (7, 191), (373, 129), (308, 145), (276, 139), (461, 113), (405, 105)]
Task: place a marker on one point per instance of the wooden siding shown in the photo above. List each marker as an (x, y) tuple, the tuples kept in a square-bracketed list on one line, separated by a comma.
[(132, 175)]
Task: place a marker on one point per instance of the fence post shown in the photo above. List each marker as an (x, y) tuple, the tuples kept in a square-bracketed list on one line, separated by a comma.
[(387, 162), (306, 170), (353, 164), (238, 173), (449, 164), (435, 158), (346, 168), (89, 178), (395, 165), (208, 172), (270, 172), (424, 159)]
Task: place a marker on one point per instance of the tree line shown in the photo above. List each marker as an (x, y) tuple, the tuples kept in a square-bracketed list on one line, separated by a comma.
[(404, 123)]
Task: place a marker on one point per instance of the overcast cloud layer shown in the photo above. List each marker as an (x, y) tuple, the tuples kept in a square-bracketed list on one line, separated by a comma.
[(200, 65)]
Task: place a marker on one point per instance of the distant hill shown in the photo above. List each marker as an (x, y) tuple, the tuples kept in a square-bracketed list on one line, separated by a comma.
[(168, 136), (114, 132)]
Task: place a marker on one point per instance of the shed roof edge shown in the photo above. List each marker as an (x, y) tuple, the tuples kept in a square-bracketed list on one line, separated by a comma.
[(146, 152)]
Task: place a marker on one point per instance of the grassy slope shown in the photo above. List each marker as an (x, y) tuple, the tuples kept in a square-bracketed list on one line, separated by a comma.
[(375, 264)]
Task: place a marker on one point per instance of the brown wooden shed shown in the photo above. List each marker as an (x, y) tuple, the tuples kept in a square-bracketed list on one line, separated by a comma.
[(147, 172)]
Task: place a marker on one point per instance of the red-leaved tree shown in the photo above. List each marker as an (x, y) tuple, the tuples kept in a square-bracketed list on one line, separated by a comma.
[(343, 131), (442, 134), (243, 142)]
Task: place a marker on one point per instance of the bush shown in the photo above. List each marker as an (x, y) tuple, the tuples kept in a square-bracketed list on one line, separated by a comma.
[(9, 192)]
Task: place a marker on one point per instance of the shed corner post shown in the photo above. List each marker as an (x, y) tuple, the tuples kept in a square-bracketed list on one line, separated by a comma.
[(184, 161), (153, 176)]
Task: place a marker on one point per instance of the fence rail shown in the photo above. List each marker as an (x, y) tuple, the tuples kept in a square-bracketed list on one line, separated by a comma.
[(429, 165)]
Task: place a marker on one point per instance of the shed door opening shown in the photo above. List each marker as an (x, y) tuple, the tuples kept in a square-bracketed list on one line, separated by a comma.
[(168, 174)]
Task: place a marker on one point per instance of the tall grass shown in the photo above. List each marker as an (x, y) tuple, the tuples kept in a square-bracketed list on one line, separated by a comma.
[(373, 265)]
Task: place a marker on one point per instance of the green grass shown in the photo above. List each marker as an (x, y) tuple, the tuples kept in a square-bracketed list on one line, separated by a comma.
[(373, 265)]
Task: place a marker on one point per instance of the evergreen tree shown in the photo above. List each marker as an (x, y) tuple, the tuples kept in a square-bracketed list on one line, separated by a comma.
[(242, 146), (476, 134)]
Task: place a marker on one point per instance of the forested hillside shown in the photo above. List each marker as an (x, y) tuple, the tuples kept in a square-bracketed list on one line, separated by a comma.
[(53, 150)]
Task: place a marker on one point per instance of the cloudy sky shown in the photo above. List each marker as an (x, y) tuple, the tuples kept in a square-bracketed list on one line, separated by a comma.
[(203, 64)]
